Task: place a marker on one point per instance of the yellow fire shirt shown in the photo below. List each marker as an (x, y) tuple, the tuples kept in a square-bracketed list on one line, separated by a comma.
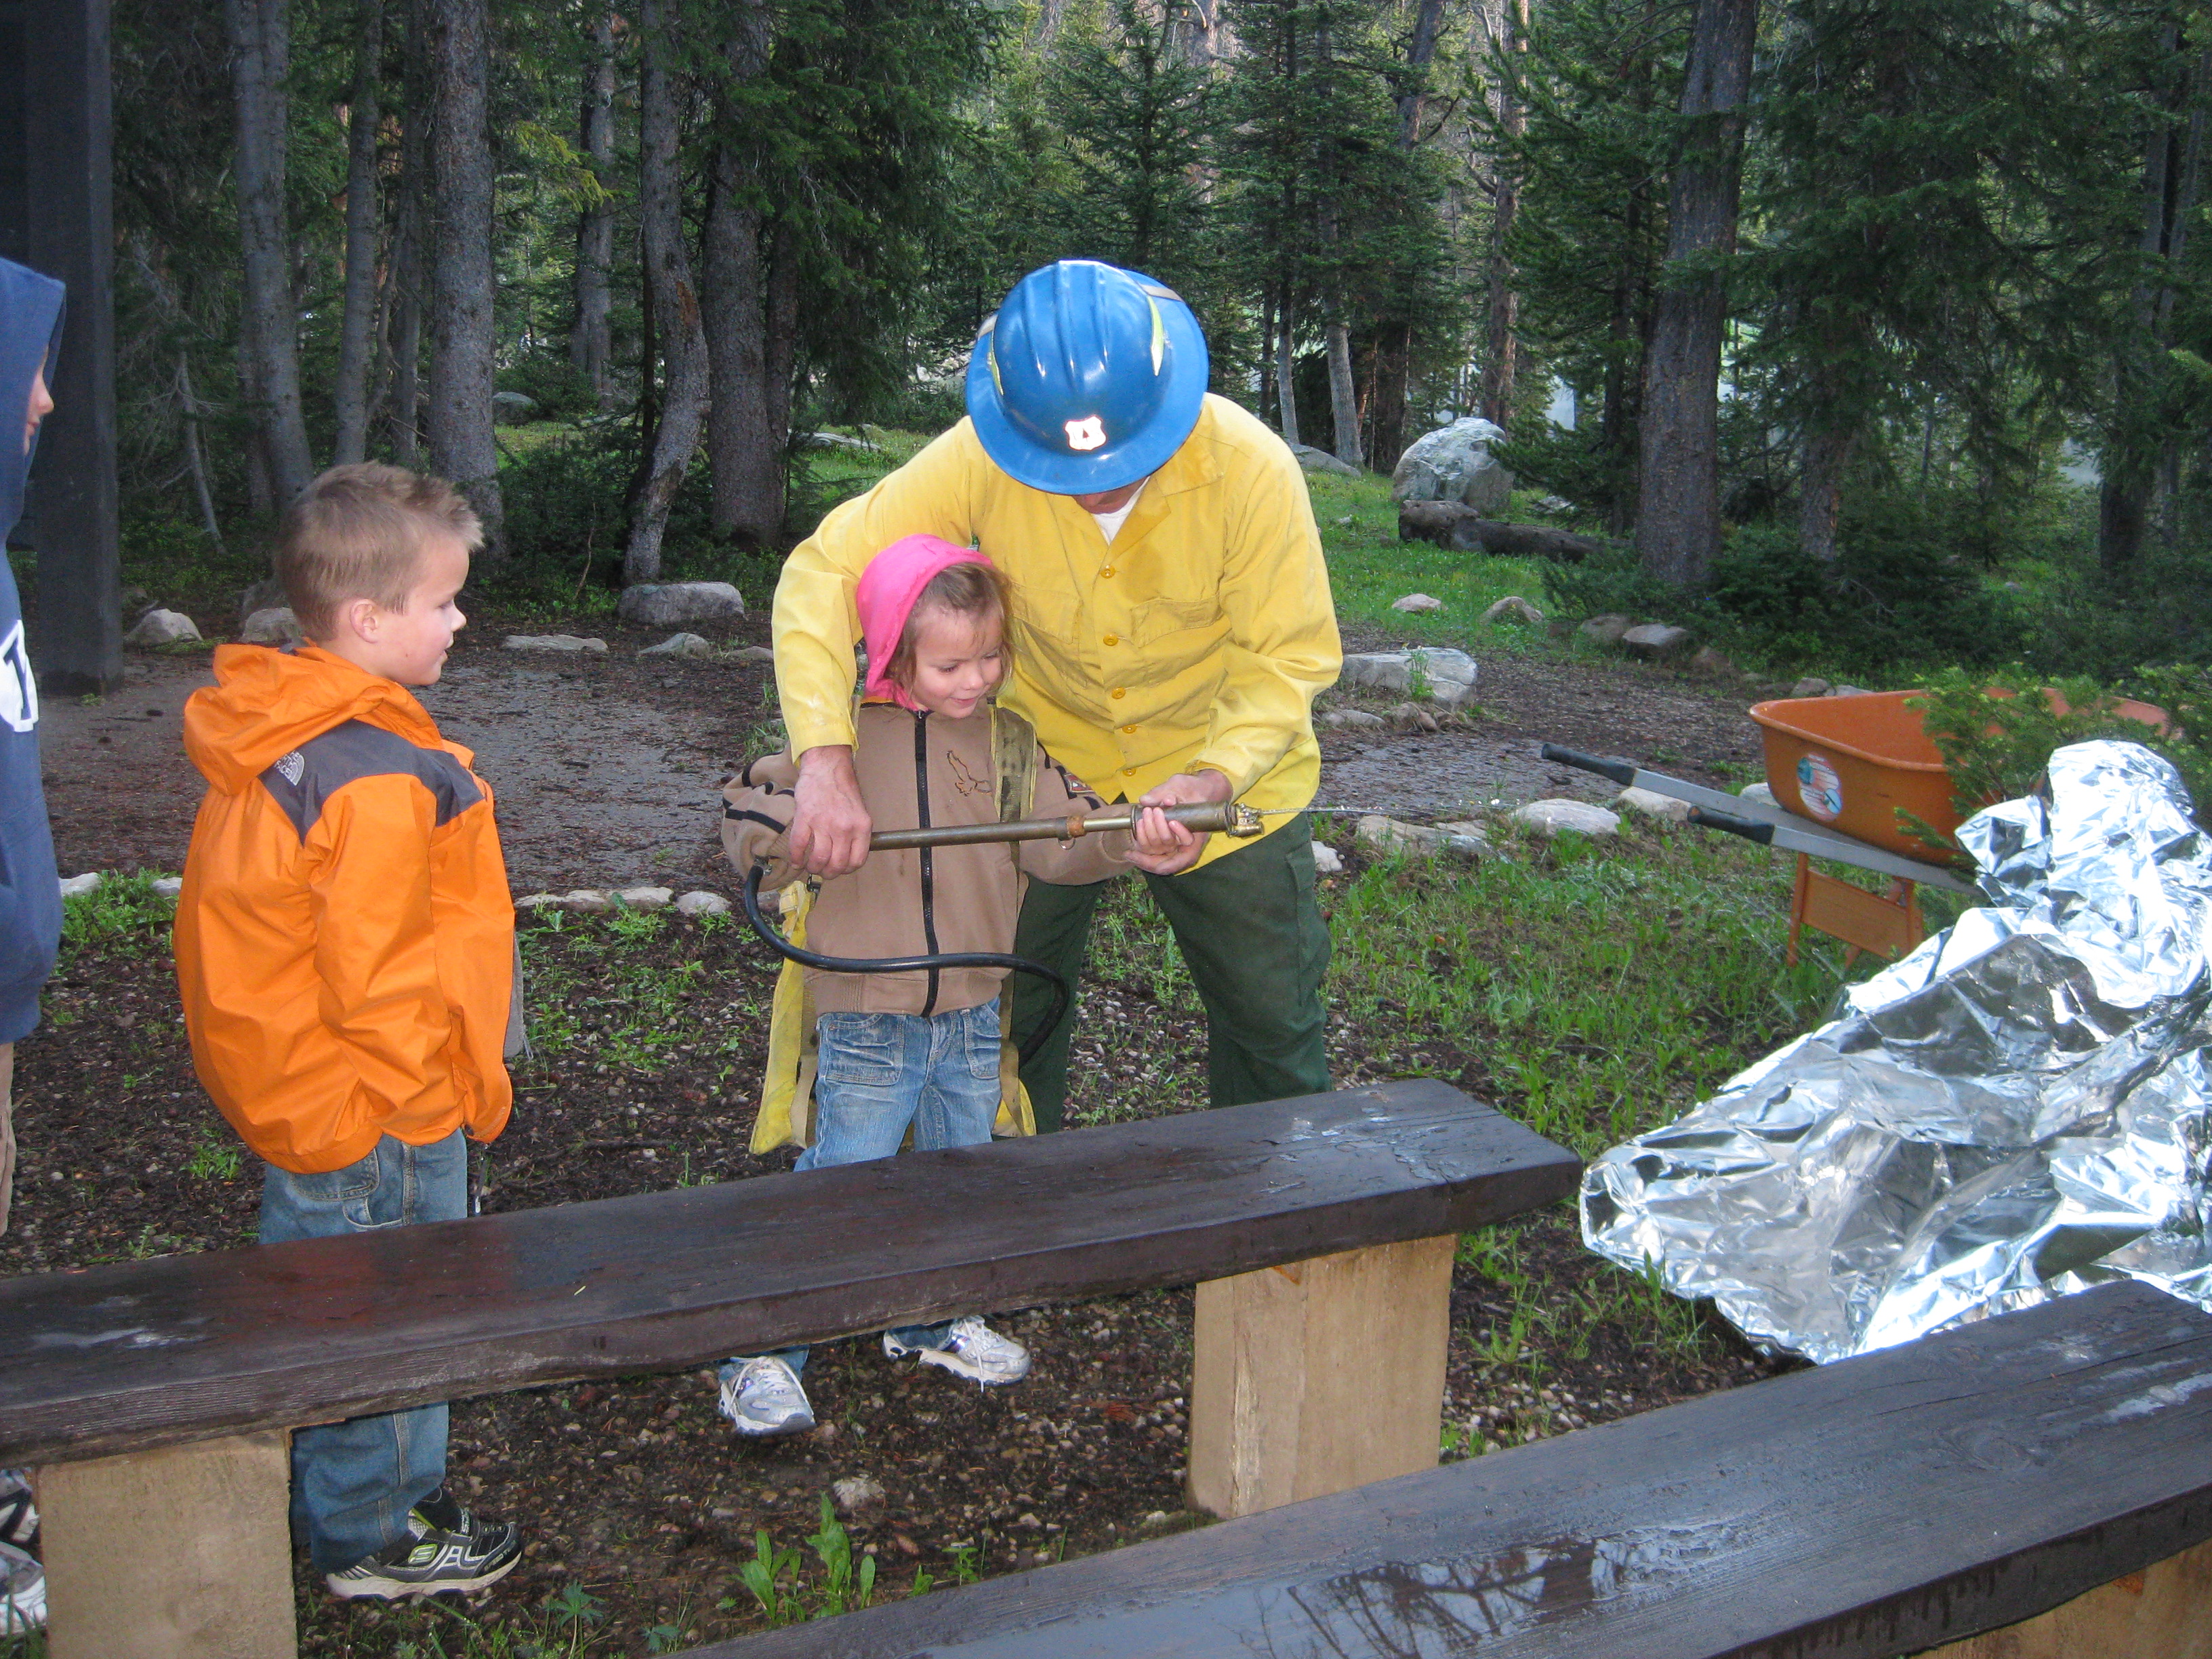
[(1199, 638)]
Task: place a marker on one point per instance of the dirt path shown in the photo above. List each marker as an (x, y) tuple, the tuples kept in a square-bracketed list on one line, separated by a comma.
[(606, 767)]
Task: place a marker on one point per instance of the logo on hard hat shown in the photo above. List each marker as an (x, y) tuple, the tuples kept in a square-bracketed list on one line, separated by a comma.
[(1089, 433)]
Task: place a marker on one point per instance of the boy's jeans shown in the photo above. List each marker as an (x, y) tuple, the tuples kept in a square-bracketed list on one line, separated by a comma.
[(353, 1482), (880, 1072)]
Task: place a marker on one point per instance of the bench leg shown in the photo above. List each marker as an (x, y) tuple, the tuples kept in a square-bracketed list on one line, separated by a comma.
[(2156, 1614), (1319, 1377), (185, 1553)]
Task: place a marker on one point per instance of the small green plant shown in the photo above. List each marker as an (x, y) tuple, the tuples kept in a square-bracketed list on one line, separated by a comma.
[(844, 1589), (1418, 684), (215, 1155), (764, 1575), (1995, 731)]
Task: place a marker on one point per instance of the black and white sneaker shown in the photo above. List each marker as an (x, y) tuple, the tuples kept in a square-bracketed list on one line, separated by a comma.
[(446, 1548), (22, 1592), (19, 1513)]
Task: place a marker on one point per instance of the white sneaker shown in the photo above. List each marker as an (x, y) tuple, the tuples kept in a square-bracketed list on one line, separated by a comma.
[(971, 1349), (22, 1592), (764, 1398)]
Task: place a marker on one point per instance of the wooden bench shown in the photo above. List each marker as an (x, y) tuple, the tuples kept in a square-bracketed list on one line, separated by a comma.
[(1875, 1507), (156, 1396)]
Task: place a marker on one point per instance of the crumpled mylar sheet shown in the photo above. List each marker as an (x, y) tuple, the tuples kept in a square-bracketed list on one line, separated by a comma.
[(2020, 1109)]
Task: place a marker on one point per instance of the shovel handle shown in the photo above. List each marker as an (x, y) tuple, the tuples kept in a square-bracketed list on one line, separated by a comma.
[(1706, 818), (1619, 771)]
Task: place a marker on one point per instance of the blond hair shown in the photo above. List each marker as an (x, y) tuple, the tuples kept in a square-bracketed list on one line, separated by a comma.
[(358, 532), (971, 588)]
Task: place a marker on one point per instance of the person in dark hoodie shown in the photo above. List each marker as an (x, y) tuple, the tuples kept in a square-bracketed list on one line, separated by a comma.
[(30, 893)]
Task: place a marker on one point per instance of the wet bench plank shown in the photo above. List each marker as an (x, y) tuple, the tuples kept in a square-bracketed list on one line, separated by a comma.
[(126, 1358), (1875, 1507)]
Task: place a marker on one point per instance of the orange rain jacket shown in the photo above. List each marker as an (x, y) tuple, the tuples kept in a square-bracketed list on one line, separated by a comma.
[(345, 937)]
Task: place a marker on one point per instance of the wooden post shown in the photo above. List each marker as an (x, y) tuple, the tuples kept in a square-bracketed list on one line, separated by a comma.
[(184, 1552), (1313, 1378), (2157, 1613)]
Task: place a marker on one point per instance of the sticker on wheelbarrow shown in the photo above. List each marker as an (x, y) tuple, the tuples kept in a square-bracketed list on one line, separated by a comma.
[(1819, 788)]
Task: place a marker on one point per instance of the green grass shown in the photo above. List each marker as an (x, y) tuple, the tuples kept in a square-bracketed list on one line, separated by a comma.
[(1369, 568), (601, 988)]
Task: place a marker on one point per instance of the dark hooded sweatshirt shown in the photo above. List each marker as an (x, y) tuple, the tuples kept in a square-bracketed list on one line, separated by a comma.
[(30, 896)]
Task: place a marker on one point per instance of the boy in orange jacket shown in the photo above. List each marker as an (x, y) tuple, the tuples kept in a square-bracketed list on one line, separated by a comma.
[(345, 942)]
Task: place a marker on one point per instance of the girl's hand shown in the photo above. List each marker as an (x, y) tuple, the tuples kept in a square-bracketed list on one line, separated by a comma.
[(1163, 847)]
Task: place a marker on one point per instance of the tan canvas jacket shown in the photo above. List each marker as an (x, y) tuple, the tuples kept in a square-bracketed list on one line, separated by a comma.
[(918, 769)]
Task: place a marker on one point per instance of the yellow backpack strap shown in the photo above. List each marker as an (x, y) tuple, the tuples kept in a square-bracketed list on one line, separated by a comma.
[(787, 1108), (1014, 751)]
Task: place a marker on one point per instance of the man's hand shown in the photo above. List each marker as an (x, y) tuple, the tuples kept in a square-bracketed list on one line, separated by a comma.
[(830, 825), (1162, 848)]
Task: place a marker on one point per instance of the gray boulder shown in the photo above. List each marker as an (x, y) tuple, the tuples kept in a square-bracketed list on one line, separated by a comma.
[(681, 645), (1454, 464), (702, 903), (1653, 805), (567, 643), (1327, 861), (1549, 818), (513, 408), (162, 628), (680, 602), (752, 654), (1449, 674), (1604, 630), (1412, 603), (1356, 720), (1811, 686), (274, 626), (1387, 836), (1513, 608), (645, 898), (839, 440), (1657, 642), (1320, 460)]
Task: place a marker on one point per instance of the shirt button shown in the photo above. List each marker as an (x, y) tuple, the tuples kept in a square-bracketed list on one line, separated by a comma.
[(1128, 771), (1108, 571), (1113, 639), (1128, 731), (1118, 691)]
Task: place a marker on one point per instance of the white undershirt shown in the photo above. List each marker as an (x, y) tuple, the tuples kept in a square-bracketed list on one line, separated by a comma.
[(1110, 524)]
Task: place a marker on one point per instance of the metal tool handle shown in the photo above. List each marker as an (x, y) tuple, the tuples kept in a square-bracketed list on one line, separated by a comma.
[(1203, 817), (1706, 818), (1621, 772)]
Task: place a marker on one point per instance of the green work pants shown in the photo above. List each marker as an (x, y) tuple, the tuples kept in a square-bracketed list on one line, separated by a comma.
[(1256, 947)]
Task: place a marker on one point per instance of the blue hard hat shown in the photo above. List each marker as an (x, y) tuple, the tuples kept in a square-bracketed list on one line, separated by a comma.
[(1088, 379)]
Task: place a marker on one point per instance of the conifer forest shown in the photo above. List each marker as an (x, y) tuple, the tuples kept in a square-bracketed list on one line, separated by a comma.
[(1842, 316)]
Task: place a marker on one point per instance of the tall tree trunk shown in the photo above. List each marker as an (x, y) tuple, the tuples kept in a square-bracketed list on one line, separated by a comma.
[(1286, 387), (590, 348), (2172, 167), (1678, 517), (403, 400), (1502, 343), (350, 394), (1827, 452), (1344, 396), (462, 341), (744, 443), (1394, 349), (675, 302), (261, 52)]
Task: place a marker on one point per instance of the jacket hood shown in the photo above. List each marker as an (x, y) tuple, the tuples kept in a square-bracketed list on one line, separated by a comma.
[(885, 597), (30, 337), (266, 703)]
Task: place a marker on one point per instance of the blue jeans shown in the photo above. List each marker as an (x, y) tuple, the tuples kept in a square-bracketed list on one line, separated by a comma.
[(353, 1482), (878, 1073)]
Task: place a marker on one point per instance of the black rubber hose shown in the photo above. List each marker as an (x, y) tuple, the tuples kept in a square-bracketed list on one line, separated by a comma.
[(806, 958)]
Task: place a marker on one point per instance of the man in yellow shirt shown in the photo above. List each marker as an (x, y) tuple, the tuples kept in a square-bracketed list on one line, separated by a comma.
[(1173, 625)]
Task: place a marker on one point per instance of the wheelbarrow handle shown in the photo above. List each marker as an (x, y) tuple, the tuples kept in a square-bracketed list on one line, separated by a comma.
[(1621, 771), (1705, 818)]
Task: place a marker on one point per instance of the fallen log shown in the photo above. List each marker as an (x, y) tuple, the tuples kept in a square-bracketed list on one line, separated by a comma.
[(1459, 527)]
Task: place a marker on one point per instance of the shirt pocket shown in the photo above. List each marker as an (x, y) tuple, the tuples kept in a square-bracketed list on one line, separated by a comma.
[(1158, 621)]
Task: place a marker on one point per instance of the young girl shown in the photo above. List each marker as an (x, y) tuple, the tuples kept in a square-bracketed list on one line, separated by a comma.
[(920, 1049)]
